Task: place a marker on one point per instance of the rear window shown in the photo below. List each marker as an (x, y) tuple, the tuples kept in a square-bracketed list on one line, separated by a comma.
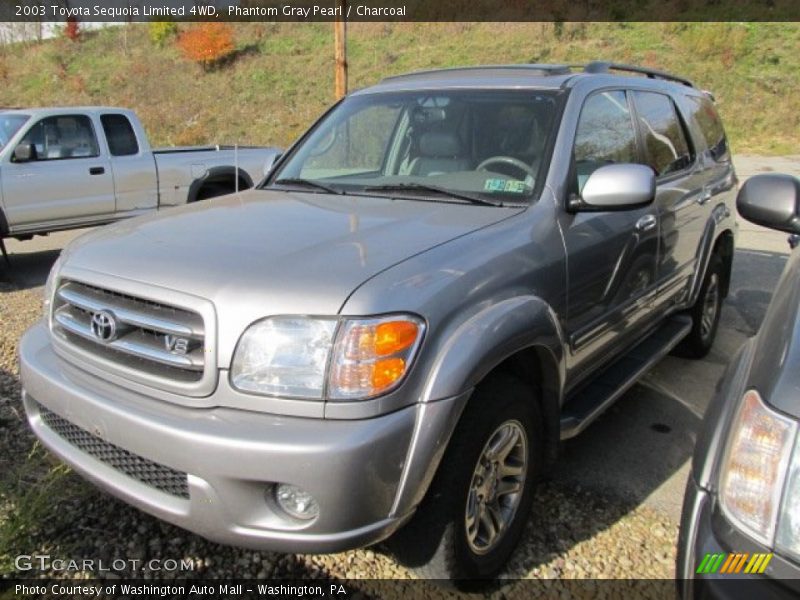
[(708, 122), (120, 135), (666, 147)]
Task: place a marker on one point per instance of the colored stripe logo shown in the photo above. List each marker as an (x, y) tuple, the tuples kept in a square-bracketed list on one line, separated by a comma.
[(733, 563)]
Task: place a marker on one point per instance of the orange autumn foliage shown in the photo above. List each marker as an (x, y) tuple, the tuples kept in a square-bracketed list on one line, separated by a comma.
[(72, 30), (207, 43)]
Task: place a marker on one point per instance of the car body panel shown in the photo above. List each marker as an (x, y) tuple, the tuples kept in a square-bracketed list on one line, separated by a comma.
[(320, 248)]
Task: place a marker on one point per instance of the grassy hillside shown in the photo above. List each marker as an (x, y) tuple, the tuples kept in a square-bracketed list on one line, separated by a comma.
[(281, 77)]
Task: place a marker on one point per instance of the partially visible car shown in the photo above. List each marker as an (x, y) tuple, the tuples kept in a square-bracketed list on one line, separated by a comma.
[(65, 168), (740, 529)]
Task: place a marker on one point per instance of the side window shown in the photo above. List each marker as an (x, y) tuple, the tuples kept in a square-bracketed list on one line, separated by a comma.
[(708, 122), (120, 135), (666, 146), (64, 136), (605, 134)]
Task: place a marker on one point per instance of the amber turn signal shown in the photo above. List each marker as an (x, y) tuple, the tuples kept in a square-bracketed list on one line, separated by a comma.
[(371, 356)]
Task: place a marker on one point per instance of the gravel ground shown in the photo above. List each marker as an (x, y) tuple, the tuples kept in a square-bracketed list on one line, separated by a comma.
[(45, 509)]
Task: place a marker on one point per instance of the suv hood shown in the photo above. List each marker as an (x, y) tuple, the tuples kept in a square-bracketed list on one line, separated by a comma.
[(268, 252)]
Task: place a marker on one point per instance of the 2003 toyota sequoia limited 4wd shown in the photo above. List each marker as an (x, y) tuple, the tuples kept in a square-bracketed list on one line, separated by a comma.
[(449, 273)]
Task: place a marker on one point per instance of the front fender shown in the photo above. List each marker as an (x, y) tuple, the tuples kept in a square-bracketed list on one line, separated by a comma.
[(471, 351), (479, 344)]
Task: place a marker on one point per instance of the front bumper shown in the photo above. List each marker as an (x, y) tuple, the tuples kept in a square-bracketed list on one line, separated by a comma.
[(230, 458), (704, 531)]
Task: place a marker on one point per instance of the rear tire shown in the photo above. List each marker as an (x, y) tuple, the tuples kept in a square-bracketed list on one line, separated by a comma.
[(705, 313), (475, 512)]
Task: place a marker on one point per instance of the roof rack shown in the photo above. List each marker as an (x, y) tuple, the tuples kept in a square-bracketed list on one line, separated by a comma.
[(600, 66), (533, 69)]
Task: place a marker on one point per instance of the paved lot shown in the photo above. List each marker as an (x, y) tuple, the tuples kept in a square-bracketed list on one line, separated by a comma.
[(622, 480)]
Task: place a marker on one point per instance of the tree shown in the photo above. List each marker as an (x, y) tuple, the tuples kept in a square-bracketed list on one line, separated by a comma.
[(72, 29), (207, 43)]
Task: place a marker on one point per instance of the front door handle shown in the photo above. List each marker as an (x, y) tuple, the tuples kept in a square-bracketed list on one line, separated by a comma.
[(705, 196), (97, 170), (646, 223)]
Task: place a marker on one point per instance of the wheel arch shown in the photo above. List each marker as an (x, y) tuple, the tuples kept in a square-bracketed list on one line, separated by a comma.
[(524, 341), (4, 228), (718, 236), (724, 246), (225, 175)]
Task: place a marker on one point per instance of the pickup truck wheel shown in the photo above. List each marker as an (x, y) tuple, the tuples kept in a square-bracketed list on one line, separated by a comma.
[(705, 313), (475, 511)]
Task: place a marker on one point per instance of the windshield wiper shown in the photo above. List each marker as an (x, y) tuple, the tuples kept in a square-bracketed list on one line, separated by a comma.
[(421, 187), (307, 183)]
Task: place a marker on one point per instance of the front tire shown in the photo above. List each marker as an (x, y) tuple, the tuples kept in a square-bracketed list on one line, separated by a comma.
[(475, 512)]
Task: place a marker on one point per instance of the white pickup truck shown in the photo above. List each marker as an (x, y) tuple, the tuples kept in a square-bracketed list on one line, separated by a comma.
[(63, 168)]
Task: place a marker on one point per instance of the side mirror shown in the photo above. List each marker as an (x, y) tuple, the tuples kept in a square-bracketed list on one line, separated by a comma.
[(616, 187), (24, 152), (771, 200), (270, 162)]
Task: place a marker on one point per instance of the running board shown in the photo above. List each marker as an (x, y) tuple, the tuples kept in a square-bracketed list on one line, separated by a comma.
[(593, 399)]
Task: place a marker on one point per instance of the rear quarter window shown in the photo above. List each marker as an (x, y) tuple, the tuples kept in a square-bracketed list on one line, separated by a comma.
[(706, 119), (120, 135), (667, 148)]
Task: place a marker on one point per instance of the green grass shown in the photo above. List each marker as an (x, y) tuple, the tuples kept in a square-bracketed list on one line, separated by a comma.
[(283, 77), (27, 492)]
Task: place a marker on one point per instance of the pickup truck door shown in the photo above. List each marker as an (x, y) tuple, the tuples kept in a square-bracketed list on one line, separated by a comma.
[(67, 181), (611, 256), (132, 162), (682, 193)]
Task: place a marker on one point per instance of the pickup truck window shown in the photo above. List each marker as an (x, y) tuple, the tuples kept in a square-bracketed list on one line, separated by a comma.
[(665, 141), (63, 137), (120, 135), (605, 134), (485, 143), (9, 126)]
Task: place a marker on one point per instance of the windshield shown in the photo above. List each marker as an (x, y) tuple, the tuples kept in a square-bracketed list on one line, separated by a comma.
[(9, 125), (490, 144)]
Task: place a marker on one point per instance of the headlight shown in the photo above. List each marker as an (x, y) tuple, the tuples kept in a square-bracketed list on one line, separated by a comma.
[(754, 467), (303, 357), (49, 288), (284, 356)]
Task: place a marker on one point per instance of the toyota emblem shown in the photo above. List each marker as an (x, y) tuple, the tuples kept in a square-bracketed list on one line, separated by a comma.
[(104, 326)]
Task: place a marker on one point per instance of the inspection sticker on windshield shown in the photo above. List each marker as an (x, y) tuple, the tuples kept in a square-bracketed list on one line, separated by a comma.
[(505, 185)]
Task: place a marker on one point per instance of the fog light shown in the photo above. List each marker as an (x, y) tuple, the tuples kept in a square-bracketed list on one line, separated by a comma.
[(297, 502)]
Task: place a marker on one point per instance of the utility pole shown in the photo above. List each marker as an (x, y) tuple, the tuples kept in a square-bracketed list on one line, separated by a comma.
[(340, 49)]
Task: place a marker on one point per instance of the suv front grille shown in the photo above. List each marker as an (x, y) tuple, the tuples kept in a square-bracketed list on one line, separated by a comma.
[(164, 479), (151, 338)]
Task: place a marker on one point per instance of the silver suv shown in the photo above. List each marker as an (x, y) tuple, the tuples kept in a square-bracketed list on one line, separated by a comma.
[(449, 273)]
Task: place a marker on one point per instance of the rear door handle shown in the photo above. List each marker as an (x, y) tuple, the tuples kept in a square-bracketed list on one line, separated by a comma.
[(646, 223), (97, 170)]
